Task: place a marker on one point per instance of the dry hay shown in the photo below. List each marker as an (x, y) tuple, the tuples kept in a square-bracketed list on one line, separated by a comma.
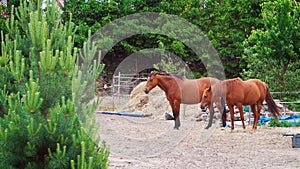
[(155, 102)]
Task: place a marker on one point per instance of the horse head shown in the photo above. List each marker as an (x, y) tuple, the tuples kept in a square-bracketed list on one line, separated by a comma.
[(206, 98), (152, 82)]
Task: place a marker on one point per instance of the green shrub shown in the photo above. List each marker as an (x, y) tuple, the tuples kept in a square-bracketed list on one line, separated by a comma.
[(293, 106), (276, 123), (42, 92)]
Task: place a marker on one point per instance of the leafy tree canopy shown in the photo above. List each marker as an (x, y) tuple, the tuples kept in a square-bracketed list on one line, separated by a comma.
[(272, 53)]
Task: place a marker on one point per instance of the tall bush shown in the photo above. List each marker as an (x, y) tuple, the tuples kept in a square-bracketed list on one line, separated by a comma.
[(272, 53), (39, 95)]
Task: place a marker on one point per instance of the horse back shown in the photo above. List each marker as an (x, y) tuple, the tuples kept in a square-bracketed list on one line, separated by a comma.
[(261, 86), (254, 91), (206, 82), (245, 92), (192, 89)]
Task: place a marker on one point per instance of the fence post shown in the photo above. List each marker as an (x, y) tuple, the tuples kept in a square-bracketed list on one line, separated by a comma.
[(119, 87), (113, 92)]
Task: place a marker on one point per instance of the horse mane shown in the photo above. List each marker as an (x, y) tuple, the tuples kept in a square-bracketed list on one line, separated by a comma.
[(168, 74), (233, 82), (218, 87)]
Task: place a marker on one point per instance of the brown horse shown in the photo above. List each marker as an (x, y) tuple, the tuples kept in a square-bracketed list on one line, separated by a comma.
[(180, 90), (238, 93)]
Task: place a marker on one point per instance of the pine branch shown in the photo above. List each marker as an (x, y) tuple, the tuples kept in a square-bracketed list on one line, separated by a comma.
[(81, 163), (32, 100), (17, 66)]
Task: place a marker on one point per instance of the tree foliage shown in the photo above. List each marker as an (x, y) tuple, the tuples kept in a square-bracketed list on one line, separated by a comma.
[(272, 53), (39, 98), (112, 10), (225, 23)]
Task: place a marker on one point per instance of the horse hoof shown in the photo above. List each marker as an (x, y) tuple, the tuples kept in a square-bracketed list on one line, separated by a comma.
[(168, 116), (207, 127), (176, 128)]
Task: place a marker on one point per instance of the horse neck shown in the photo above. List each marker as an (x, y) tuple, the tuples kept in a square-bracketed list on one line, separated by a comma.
[(219, 89), (164, 82)]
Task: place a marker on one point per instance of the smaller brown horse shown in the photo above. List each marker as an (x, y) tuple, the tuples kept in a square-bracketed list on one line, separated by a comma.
[(239, 93), (180, 90)]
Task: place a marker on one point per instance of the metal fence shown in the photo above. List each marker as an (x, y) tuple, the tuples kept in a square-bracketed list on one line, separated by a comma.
[(122, 85), (286, 104)]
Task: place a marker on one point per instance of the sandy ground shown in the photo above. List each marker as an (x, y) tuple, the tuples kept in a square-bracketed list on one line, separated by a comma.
[(152, 143), (147, 143)]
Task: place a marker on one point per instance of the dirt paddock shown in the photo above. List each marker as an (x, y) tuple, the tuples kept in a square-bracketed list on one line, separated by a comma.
[(147, 143)]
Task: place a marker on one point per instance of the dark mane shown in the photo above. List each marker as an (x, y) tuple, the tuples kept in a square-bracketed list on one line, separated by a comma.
[(232, 83), (168, 74)]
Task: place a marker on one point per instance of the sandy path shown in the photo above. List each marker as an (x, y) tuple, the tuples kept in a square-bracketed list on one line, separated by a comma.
[(153, 143)]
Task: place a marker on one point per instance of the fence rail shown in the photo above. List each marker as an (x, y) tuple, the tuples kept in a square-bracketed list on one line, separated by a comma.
[(123, 84)]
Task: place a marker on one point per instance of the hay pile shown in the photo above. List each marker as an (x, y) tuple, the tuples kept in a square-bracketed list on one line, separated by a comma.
[(154, 103)]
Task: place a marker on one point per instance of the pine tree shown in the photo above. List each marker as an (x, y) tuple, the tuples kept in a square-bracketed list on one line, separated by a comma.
[(43, 92)]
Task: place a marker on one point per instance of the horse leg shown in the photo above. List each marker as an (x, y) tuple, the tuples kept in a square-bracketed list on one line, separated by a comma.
[(222, 109), (240, 107), (254, 115), (176, 109), (211, 116), (231, 116), (259, 106)]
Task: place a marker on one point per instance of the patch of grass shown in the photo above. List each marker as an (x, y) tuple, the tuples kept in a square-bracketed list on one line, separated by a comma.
[(276, 123)]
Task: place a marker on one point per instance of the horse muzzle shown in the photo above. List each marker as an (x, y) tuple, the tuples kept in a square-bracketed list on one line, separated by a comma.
[(146, 90), (202, 106)]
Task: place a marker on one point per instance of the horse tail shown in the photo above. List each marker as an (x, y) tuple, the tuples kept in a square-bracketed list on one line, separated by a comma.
[(271, 104)]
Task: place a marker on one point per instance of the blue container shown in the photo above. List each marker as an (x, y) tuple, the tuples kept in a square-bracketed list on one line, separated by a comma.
[(296, 141)]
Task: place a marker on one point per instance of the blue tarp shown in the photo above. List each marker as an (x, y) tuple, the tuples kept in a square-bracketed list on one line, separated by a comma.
[(122, 114), (262, 120)]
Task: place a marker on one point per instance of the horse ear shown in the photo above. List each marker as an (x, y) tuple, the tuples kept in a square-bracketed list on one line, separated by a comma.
[(209, 89), (152, 73)]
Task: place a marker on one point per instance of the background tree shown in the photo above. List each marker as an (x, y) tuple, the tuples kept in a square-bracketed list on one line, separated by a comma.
[(272, 53), (226, 23), (40, 127), (106, 11)]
